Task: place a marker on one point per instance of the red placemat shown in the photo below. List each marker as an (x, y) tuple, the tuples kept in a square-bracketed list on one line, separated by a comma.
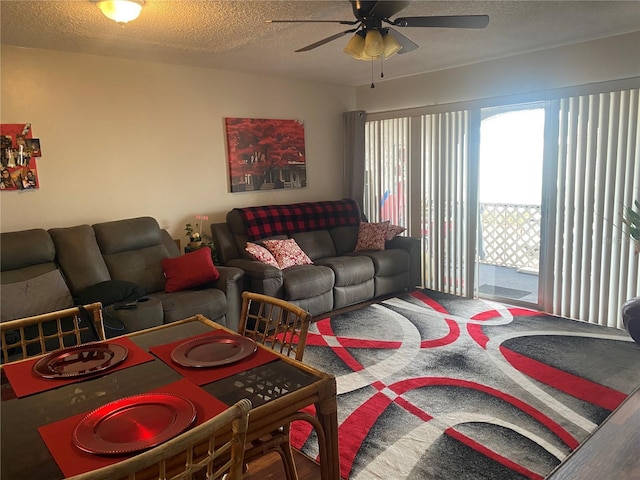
[(202, 376), (24, 382), (73, 461)]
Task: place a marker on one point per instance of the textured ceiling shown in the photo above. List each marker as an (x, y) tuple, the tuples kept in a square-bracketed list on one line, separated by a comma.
[(234, 35)]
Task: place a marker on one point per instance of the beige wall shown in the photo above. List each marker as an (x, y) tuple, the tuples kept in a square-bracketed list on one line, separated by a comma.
[(611, 58), (123, 139)]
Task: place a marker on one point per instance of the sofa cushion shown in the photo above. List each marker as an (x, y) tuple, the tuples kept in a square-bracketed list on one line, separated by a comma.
[(351, 294), (81, 271), (142, 267), (42, 294), (126, 235), (306, 281), (349, 270), (147, 314), (371, 236), (110, 292), (388, 262), (25, 248), (316, 305), (316, 244), (209, 302), (261, 254), (344, 239), (287, 253), (189, 270), (133, 250)]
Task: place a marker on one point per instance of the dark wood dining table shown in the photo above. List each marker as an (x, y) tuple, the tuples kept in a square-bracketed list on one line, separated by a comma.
[(277, 390)]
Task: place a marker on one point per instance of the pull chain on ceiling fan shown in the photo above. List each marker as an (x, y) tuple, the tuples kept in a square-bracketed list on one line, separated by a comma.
[(372, 40)]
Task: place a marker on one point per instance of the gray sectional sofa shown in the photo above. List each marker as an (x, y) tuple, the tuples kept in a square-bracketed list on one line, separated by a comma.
[(128, 251), (327, 232)]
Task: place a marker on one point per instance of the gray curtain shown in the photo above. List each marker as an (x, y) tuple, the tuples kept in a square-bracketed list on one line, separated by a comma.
[(354, 155)]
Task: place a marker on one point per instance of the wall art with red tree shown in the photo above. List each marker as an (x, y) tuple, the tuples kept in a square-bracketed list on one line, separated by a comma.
[(265, 154)]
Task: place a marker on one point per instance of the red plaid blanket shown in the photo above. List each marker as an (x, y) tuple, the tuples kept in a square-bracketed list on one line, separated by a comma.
[(269, 220)]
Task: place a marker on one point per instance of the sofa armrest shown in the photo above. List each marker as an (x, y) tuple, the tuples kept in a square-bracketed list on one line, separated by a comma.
[(232, 284), (230, 277), (223, 242), (413, 247), (260, 278)]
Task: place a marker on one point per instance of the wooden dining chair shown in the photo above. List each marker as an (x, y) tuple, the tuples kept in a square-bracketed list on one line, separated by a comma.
[(48, 332), (276, 323), (191, 452), (283, 327)]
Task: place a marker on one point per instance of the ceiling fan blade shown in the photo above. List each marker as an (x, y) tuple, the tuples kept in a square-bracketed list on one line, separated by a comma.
[(341, 22), (381, 8), (407, 45), (445, 21), (325, 40)]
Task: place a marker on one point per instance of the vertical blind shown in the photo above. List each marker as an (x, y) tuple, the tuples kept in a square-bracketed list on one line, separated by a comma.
[(445, 192), (593, 171), (386, 171), (595, 269)]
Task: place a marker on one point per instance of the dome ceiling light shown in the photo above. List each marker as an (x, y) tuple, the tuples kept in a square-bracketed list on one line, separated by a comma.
[(121, 11)]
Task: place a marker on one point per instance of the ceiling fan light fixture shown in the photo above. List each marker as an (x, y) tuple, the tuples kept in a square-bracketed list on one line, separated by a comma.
[(121, 11), (355, 47), (391, 45), (373, 43)]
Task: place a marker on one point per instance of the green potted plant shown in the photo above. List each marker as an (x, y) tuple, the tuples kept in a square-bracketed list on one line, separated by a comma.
[(195, 239), (198, 240)]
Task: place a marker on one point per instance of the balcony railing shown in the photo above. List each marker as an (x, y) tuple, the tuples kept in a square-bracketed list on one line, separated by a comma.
[(510, 235)]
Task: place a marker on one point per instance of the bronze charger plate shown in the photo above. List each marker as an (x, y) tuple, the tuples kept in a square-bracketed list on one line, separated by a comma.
[(80, 360), (213, 351)]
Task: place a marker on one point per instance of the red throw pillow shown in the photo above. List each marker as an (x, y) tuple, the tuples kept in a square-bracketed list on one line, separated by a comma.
[(189, 270)]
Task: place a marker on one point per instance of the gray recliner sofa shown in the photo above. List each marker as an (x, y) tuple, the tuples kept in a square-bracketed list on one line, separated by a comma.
[(327, 232), (129, 250)]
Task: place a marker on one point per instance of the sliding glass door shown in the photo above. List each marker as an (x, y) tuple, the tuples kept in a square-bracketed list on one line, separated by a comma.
[(519, 202), (509, 203)]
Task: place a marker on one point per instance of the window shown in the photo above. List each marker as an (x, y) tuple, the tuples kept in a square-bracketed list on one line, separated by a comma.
[(422, 170)]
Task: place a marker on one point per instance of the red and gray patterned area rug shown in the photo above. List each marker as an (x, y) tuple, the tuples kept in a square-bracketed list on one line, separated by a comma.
[(433, 386)]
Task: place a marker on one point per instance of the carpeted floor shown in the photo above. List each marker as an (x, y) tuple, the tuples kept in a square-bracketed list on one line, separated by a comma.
[(432, 386)]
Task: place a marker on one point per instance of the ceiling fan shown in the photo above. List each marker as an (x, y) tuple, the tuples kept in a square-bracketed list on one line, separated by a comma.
[(373, 39)]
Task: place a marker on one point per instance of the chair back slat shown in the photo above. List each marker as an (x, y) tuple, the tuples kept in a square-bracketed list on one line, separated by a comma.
[(274, 322), (48, 332)]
